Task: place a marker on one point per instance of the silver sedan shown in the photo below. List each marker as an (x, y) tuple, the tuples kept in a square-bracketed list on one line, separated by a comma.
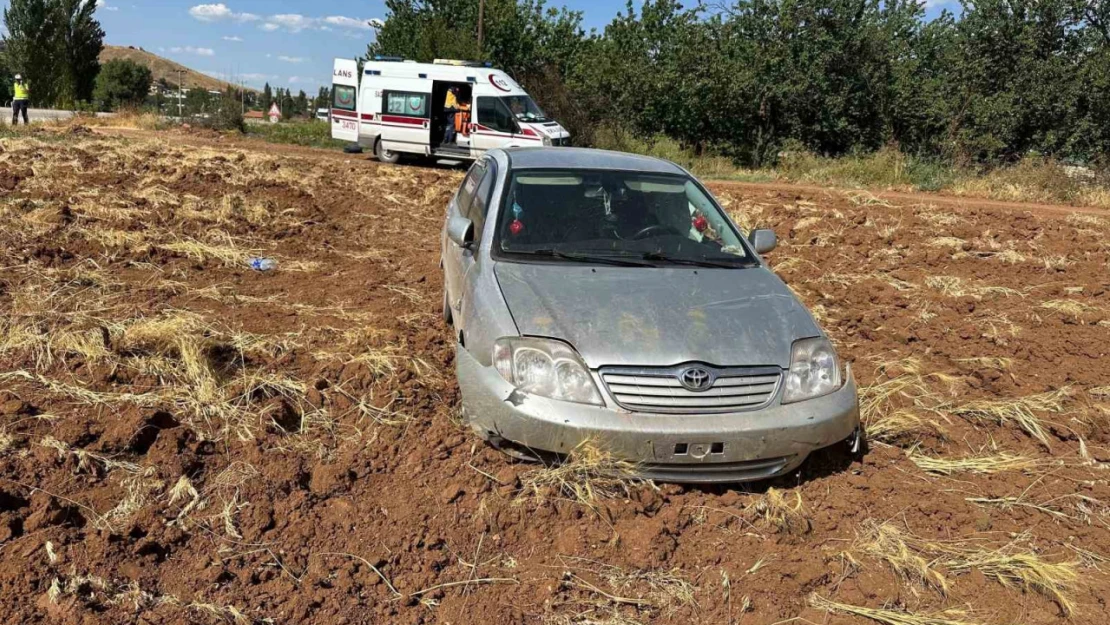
[(606, 297)]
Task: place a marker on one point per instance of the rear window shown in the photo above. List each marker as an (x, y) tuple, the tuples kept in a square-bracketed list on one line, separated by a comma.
[(344, 97)]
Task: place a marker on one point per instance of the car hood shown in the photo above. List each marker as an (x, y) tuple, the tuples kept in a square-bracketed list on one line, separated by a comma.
[(658, 316)]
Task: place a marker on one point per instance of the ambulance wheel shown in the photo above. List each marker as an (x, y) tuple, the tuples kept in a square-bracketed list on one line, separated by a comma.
[(386, 156), (447, 316), (353, 148)]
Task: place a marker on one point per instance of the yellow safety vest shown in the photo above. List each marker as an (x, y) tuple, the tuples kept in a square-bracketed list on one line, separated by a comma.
[(21, 92)]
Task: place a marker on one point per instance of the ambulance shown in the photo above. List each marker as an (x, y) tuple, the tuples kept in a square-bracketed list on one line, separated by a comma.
[(400, 107)]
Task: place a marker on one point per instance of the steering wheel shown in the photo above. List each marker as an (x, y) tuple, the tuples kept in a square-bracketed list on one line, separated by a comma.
[(653, 229)]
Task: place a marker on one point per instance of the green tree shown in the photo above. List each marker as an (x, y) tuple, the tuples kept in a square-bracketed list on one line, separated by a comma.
[(30, 46), (79, 41), (300, 104), (198, 102), (55, 44), (121, 83), (267, 97)]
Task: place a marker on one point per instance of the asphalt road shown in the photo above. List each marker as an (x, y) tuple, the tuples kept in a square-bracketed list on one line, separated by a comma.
[(40, 115)]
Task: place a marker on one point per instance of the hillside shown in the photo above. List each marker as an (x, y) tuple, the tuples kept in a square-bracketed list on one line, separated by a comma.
[(163, 68)]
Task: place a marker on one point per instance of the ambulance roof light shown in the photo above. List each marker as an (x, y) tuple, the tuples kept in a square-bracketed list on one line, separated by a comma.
[(379, 57), (460, 63)]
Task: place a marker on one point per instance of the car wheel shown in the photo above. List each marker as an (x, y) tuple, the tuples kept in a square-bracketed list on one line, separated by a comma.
[(447, 316), (386, 156)]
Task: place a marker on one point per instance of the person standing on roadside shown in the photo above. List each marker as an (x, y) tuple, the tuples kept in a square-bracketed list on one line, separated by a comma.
[(19, 102)]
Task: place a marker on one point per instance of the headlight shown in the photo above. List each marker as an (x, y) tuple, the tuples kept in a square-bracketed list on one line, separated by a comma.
[(545, 367), (547, 141), (814, 370)]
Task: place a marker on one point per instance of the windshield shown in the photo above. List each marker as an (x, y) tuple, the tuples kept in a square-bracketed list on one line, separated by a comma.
[(524, 108), (576, 215)]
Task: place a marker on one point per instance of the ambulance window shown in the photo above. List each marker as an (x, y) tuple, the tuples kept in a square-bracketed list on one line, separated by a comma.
[(406, 103), (344, 97), (493, 114)]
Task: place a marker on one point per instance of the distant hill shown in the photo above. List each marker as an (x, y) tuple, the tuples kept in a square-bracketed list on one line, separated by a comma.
[(163, 68)]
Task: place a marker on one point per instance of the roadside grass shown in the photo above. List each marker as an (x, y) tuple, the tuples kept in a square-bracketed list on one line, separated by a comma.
[(1033, 179), (313, 134)]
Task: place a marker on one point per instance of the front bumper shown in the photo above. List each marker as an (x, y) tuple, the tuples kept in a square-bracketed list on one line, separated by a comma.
[(730, 447)]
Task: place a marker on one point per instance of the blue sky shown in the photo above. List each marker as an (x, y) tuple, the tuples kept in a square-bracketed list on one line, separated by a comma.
[(288, 44)]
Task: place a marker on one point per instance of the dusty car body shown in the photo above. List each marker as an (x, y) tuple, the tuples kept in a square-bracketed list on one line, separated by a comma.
[(606, 297)]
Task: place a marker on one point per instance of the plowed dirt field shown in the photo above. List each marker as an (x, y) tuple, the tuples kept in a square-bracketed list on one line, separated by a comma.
[(183, 439)]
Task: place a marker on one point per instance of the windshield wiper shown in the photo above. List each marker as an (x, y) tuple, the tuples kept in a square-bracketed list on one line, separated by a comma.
[(698, 262), (586, 258)]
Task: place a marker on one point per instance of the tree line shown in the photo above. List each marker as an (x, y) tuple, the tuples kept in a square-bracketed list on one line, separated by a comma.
[(299, 105), (990, 82)]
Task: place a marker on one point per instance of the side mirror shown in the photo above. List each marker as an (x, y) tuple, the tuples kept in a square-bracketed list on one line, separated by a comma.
[(763, 240), (461, 231)]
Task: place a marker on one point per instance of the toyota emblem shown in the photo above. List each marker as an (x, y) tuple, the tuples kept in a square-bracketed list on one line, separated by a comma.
[(695, 379)]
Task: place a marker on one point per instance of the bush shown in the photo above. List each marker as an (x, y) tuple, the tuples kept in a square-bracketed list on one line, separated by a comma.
[(661, 146), (313, 133), (888, 168), (228, 115)]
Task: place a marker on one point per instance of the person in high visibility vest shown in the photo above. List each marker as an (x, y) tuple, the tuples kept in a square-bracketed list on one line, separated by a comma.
[(19, 102)]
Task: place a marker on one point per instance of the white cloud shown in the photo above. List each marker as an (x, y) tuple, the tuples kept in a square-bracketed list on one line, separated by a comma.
[(295, 23), (291, 59), (219, 12), (347, 22), (100, 4), (233, 38), (292, 22), (296, 79), (193, 50)]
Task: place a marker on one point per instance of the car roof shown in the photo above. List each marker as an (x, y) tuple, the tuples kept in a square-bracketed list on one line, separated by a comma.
[(586, 158)]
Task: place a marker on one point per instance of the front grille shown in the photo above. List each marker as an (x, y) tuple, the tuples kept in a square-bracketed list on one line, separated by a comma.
[(742, 471), (658, 389)]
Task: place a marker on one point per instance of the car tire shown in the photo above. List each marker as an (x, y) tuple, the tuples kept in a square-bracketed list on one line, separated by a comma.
[(352, 148), (385, 156), (448, 318)]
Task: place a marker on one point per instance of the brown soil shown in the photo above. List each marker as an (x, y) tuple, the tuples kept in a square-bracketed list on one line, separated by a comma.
[(285, 446)]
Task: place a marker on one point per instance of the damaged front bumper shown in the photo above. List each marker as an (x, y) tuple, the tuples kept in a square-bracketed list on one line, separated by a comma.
[(729, 447)]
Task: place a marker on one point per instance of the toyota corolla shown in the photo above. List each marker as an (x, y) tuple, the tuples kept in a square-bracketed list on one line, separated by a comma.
[(606, 297)]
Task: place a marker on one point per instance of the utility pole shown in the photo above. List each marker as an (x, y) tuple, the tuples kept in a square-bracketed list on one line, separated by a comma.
[(242, 98), (481, 12), (180, 93)]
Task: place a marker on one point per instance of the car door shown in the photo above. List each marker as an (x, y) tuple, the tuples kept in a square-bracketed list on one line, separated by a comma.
[(468, 260), (494, 125), (405, 121), (453, 254)]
